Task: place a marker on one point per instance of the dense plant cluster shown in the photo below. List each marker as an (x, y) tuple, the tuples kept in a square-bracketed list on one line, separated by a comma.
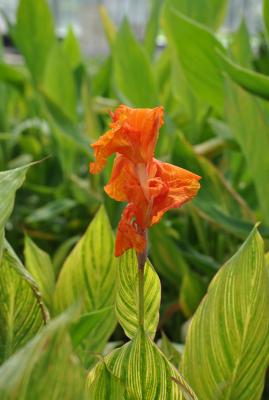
[(70, 325)]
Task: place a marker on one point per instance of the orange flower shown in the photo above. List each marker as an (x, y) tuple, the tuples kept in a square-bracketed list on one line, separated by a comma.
[(151, 187), (133, 132)]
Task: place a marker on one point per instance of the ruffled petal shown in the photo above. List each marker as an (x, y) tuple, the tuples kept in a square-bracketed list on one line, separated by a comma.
[(129, 235), (146, 122), (133, 133), (181, 186), (122, 175)]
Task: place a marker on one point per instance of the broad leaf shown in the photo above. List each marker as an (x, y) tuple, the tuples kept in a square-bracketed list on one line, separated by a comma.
[(10, 181), (44, 369), (215, 192), (208, 12), (108, 25), (58, 70), (266, 17), (191, 293), (248, 118), (251, 81), (12, 76), (166, 256), (228, 336), (89, 275), (72, 50), (240, 46), (22, 313), (104, 385), (86, 323), (170, 351), (39, 265), (133, 79), (152, 27), (127, 295), (198, 60), (144, 372), (33, 38)]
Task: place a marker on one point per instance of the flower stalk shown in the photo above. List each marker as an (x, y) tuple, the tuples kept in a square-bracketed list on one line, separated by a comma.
[(141, 261)]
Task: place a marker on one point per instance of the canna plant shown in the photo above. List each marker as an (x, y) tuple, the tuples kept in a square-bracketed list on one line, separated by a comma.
[(62, 311), (151, 188)]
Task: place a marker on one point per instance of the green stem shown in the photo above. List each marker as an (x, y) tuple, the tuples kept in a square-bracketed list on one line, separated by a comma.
[(141, 259), (141, 296)]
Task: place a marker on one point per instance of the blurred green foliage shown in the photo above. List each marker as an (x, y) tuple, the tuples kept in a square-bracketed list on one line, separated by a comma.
[(56, 103)]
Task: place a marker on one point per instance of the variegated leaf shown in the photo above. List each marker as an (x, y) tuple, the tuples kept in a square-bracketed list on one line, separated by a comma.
[(127, 295), (10, 181), (89, 275), (226, 353), (22, 312), (142, 370)]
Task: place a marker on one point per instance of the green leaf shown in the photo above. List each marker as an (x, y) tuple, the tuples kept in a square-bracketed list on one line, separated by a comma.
[(46, 368), (10, 181), (127, 295), (248, 119), (208, 12), (166, 256), (228, 336), (104, 385), (89, 275), (143, 370), (80, 330), (71, 49), (191, 293), (58, 84), (152, 27), (198, 60), (12, 76), (266, 17), (214, 189), (39, 264), (108, 25), (50, 211), (133, 78), (33, 38), (251, 81), (240, 46), (170, 351), (22, 313)]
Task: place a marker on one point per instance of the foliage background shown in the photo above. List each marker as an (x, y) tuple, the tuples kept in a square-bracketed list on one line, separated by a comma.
[(56, 103)]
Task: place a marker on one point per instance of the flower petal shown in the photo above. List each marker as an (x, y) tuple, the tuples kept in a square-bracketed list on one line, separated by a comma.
[(133, 133), (129, 236), (124, 185), (181, 184)]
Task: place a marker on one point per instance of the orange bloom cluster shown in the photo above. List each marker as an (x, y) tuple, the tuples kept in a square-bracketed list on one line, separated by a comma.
[(150, 187)]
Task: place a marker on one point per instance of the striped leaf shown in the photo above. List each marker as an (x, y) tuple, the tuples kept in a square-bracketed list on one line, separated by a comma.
[(143, 371), (22, 313), (39, 265), (44, 369), (127, 295), (10, 181), (89, 275), (226, 353)]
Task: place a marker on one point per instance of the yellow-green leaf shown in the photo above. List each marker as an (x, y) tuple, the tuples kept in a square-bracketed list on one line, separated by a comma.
[(89, 275), (39, 265), (10, 181), (22, 313), (127, 295), (46, 368), (144, 372), (226, 353)]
